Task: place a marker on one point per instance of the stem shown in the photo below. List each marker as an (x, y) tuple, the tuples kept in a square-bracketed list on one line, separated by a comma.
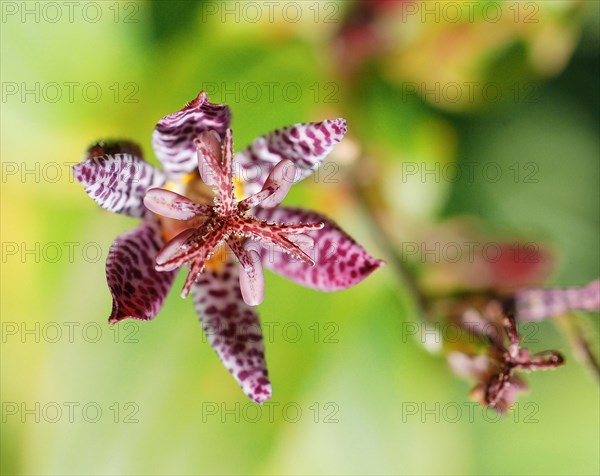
[(397, 262), (581, 347)]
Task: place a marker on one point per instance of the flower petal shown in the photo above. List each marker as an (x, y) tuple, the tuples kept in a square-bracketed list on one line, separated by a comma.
[(340, 262), (117, 181), (306, 145), (173, 137), (475, 367), (138, 290), (233, 329)]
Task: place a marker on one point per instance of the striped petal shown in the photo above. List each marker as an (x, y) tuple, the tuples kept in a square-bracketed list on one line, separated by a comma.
[(305, 145), (118, 178), (173, 137), (233, 329), (138, 290), (340, 262)]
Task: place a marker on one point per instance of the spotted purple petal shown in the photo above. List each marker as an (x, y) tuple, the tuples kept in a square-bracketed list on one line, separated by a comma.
[(116, 177), (305, 145), (173, 137), (340, 262), (138, 290), (233, 329)]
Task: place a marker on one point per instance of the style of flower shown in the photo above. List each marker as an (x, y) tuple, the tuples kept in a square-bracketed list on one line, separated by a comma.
[(513, 357), (193, 216), (495, 370)]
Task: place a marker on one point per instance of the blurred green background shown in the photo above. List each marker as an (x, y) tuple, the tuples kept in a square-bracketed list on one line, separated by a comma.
[(353, 394)]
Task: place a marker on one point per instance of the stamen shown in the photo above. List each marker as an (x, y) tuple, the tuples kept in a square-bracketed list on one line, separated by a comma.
[(257, 198)]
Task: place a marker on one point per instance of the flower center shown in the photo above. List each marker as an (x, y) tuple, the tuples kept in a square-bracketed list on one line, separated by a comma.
[(196, 228), (192, 188)]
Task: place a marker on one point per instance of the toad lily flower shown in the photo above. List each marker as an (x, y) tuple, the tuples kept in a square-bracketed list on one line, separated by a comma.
[(209, 206)]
